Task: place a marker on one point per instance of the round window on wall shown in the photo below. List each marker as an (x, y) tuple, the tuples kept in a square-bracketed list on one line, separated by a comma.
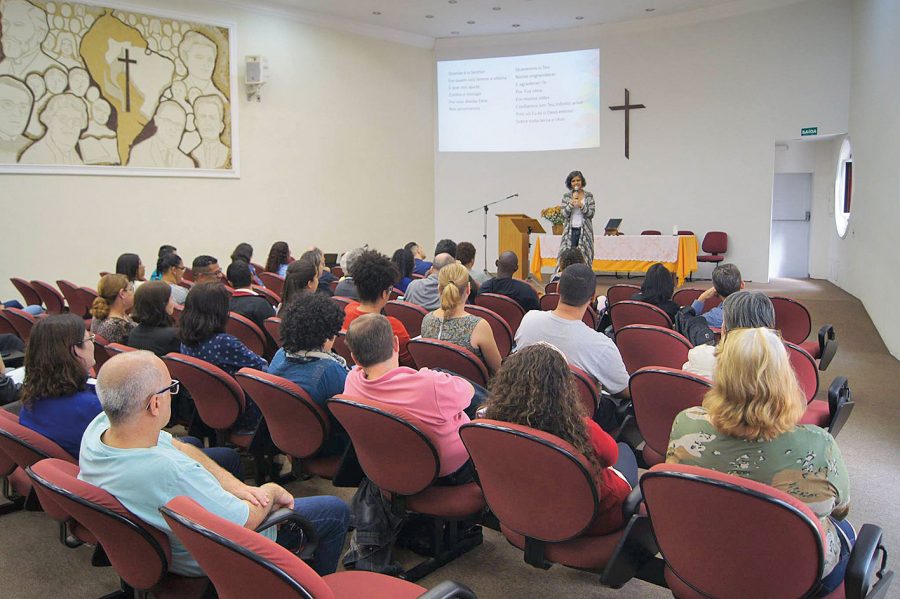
[(843, 188)]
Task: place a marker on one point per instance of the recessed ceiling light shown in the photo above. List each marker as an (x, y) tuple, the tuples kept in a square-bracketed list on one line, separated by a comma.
[(470, 22), (429, 16), (515, 24), (579, 18), (649, 9), (454, 33), (496, 8), (375, 12)]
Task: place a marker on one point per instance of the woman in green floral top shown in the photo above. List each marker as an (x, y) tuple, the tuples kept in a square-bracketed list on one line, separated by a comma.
[(748, 427)]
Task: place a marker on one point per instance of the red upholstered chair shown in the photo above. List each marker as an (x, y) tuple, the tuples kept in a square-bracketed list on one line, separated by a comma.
[(410, 315), (16, 485), (588, 390), (503, 335), (101, 352), (188, 275), (647, 345), (217, 396), (73, 298), (687, 296), (272, 281), (340, 347), (29, 293), (297, 424), (246, 330), (651, 232), (528, 475), (139, 553), (433, 353), (117, 348), (756, 541), (258, 267), (52, 299), (342, 301), (552, 287), (715, 243), (549, 301), (87, 296), (658, 394), (416, 276), (272, 297), (508, 309), (793, 320), (629, 312), (685, 232), (6, 327), (805, 369), (820, 412), (399, 457), (242, 563), (620, 292), (186, 284), (21, 321), (395, 294), (273, 328)]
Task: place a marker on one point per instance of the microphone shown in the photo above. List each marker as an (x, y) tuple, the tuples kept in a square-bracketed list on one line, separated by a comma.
[(515, 195)]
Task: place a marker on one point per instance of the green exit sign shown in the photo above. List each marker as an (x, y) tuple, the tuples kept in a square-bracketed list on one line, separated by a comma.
[(809, 131)]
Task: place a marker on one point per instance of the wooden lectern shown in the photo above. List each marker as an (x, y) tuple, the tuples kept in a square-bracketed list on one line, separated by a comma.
[(514, 237)]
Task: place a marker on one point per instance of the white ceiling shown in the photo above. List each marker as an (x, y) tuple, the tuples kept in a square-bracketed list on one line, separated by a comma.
[(461, 18)]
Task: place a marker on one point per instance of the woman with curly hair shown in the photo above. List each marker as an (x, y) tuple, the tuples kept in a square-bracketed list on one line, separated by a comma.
[(115, 298), (375, 277), (279, 258), (535, 388), (57, 400)]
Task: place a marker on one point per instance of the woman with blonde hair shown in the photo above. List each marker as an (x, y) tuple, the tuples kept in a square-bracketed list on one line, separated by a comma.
[(535, 388), (748, 426), (451, 323), (115, 298)]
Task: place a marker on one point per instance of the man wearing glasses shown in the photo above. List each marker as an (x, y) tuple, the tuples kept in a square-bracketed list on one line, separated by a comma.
[(125, 452), (206, 269)]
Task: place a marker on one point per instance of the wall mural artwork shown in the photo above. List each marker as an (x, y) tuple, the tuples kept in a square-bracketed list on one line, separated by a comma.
[(94, 89)]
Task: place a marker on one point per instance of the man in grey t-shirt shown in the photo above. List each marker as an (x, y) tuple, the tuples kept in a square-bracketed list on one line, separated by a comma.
[(424, 292), (593, 352)]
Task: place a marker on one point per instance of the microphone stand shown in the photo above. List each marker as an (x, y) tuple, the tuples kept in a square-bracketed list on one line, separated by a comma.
[(484, 232)]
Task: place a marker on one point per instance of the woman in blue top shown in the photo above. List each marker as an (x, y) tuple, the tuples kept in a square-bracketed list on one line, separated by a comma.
[(57, 400), (279, 258), (309, 326), (404, 261)]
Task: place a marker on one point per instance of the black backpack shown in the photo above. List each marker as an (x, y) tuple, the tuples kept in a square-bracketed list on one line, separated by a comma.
[(694, 327)]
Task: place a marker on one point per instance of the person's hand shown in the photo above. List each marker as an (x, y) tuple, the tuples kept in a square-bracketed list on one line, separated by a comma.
[(254, 495), (707, 294), (282, 498)]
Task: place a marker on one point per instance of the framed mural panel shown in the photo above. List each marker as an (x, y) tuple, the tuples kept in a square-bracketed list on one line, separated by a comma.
[(97, 88)]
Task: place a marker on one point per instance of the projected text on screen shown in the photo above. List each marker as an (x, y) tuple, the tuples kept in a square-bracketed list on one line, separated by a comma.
[(519, 103)]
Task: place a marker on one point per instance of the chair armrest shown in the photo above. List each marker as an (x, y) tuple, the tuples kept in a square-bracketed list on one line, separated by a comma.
[(866, 575), (632, 503), (449, 590), (828, 346), (838, 392), (309, 539)]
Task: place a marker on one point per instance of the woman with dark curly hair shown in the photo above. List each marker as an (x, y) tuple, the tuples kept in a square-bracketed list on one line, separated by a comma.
[(375, 276), (279, 258), (404, 261), (566, 259), (115, 298), (535, 388), (57, 400), (153, 308)]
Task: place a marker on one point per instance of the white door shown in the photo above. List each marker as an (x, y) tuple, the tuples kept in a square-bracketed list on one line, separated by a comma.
[(791, 201)]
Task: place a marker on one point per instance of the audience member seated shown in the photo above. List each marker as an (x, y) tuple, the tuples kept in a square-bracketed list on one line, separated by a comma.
[(57, 400), (657, 289), (244, 253), (589, 350), (346, 287), (440, 400), (535, 388), (741, 310), (726, 280), (206, 269), (156, 275), (505, 284), (451, 323), (171, 267), (302, 277), (465, 253), (403, 260), (567, 258), (131, 266), (446, 246), (747, 426), (279, 258), (126, 453), (424, 292), (9, 388), (316, 256), (309, 327), (421, 265), (244, 300), (375, 277), (155, 330), (115, 296)]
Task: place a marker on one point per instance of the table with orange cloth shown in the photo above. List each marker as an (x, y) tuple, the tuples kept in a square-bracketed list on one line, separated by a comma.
[(626, 253)]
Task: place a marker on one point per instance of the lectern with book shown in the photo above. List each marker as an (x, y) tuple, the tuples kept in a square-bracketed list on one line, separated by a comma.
[(515, 231)]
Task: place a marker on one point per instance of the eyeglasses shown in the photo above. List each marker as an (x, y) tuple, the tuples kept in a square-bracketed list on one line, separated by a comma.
[(173, 388), (90, 338)]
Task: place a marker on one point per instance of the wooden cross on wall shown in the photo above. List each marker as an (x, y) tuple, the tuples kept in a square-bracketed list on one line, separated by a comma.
[(627, 107), (128, 62)]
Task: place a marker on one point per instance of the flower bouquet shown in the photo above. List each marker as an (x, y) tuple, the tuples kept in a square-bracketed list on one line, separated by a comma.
[(554, 214)]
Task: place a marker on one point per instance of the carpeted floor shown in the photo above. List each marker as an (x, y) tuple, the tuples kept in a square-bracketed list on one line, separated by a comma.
[(34, 564)]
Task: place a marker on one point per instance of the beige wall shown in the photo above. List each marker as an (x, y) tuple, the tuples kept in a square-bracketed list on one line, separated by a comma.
[(339, 151)]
